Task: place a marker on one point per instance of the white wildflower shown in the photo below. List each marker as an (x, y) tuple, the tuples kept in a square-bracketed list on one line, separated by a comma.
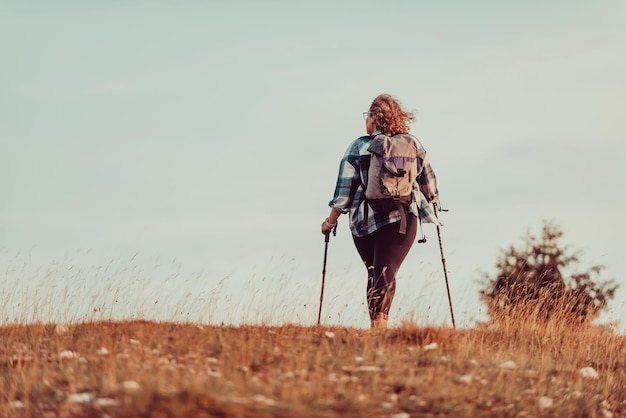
[(17, 405), (60, 329), (288, 375), (329, 334), (508, 365), (130, 386), (359, 359), (605, 409), (431, 346), (21, 359), (67, 354), (104, 402), (467, 378), (264, 400), (589, 372), (544, 402), (103, 351), (80, 397), (574, 395), (134, 341), (367, 369), (606, 413)]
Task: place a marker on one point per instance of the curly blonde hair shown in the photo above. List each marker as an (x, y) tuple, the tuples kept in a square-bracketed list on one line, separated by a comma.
[(389, 116)]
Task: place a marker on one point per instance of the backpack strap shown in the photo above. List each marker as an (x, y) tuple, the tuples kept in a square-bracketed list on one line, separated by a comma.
[(365, 225), (402, 216), (419, 215)]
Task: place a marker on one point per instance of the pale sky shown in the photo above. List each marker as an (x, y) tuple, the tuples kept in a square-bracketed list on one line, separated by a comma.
[(203, 139)]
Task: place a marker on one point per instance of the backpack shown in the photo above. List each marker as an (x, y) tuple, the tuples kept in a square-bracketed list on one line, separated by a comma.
[(390, 176)]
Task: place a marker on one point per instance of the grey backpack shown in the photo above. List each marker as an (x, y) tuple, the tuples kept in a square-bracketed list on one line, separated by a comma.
[(391, 174)]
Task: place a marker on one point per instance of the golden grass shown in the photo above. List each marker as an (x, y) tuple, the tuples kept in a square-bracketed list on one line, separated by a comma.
[(149, 369)]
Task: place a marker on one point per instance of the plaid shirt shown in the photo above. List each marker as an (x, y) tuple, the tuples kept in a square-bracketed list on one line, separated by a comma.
[(349, 195)]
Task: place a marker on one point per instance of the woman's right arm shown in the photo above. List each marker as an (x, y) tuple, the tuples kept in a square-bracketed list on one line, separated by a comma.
[(348, 181)]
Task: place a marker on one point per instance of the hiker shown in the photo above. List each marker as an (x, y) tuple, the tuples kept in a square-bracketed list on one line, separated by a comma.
[(378, 235)]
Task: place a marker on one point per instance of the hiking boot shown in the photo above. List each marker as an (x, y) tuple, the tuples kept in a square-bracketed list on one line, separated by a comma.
[(380, 322)]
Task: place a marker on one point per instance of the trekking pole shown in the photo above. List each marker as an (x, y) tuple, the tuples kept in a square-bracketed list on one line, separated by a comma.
[(445, 272), (326, 239)]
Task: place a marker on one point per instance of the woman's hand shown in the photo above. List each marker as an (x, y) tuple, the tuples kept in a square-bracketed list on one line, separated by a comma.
[(327, 226)]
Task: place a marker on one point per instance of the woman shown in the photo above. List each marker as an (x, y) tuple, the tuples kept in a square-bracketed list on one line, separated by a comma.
[(379, 241)]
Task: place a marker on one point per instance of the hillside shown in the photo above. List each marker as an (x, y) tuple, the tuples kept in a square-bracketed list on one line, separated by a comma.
[(140, 368)]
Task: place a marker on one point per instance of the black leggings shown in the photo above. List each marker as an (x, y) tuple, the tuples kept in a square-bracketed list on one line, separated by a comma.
[(383, 251)]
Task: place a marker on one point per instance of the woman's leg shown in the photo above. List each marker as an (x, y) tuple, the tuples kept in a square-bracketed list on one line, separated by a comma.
[(365, 247), (383, 252)]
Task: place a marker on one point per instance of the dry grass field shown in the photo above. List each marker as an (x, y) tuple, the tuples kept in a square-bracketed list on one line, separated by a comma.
[(150, 369)]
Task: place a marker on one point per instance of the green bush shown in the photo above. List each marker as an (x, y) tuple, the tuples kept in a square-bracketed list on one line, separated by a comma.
[(531, 285)]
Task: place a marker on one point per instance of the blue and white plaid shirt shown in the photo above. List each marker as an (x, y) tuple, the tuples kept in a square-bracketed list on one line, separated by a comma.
[(349, 195)]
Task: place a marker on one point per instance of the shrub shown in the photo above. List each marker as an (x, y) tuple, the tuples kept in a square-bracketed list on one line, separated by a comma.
[(531, 284)]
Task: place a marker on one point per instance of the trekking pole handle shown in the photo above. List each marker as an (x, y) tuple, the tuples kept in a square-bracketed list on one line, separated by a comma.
[(334, 231)]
